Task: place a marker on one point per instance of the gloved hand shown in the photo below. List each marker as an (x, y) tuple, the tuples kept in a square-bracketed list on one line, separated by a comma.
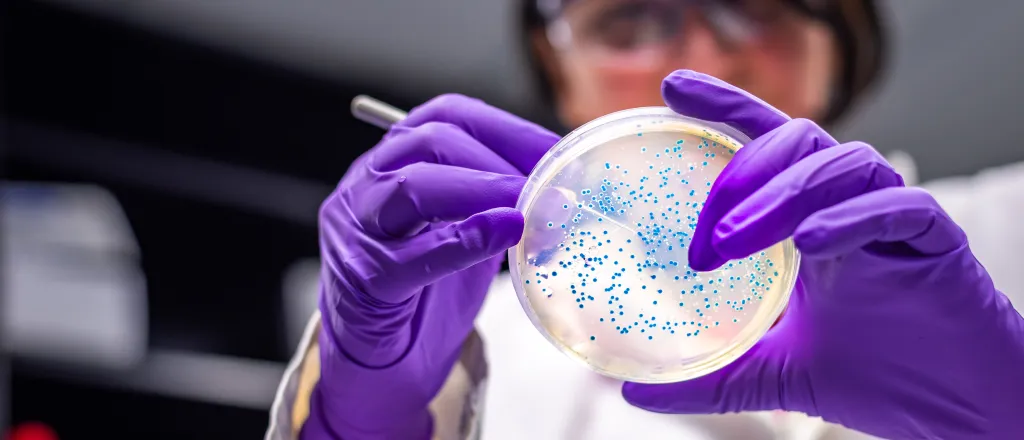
[(410, 242), (894, 329)]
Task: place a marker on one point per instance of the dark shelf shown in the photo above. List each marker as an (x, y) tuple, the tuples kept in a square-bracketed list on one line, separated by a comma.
[(107, 103), (83, 411), (160, 123)]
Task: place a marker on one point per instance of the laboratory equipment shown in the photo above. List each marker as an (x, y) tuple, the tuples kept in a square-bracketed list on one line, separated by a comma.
[(602, 268), (375, 112)]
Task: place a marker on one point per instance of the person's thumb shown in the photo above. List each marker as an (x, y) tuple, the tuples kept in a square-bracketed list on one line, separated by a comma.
[(754, 382)]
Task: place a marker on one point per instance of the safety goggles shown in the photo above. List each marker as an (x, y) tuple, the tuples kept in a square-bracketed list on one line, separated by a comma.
[(640, 31)]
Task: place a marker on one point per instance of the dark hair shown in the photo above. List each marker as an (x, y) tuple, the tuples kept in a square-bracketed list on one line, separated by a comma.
[(856, 24), (532, 20)]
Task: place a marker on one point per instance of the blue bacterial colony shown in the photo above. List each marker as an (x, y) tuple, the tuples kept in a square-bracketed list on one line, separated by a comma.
[(605, 257)]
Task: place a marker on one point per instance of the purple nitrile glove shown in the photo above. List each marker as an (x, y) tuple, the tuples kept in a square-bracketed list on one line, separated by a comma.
[(410, 242), (894, 329)]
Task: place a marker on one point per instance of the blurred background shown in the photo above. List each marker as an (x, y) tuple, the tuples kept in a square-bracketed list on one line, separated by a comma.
[(164, 161)]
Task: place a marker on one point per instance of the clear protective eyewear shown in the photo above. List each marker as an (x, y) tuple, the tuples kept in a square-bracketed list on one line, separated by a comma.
[(644, 30)]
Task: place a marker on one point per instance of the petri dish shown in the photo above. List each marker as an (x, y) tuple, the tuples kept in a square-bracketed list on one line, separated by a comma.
[(602, 268)]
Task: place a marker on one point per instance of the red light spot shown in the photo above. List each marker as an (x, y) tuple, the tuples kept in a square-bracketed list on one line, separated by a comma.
[(32, 431)]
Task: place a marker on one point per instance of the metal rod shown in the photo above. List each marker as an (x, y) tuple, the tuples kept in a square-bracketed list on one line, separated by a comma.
[(376, 112)]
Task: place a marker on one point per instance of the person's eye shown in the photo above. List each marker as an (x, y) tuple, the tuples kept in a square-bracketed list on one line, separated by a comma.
[(634, 25)]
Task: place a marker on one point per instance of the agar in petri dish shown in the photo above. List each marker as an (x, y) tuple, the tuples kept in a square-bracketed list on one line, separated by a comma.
[(602, 268)]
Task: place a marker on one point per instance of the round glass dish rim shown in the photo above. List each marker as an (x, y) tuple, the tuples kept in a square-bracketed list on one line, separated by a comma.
[(711, 362)]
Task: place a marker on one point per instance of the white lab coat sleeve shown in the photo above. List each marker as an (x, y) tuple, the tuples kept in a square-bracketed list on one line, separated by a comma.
[(457, 409)]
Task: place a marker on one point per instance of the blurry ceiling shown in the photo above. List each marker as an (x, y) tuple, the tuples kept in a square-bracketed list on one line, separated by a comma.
[(951, 98)]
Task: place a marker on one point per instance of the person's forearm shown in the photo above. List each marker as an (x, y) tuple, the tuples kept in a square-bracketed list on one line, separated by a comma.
[(312, 421), (310, 416), (325, 424), (352, 401)]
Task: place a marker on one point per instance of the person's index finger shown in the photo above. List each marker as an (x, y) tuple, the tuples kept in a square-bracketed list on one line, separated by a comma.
[(705, 97), (818, 182), (518, 141), (751, 168)]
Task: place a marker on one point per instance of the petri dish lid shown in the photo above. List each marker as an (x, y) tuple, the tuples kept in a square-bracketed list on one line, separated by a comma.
[(602, 268)]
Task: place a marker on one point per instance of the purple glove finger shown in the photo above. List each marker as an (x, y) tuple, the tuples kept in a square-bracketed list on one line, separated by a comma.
[(391, 270), (391, 273), (753, 166), (821, 180), (520, 142), (908, 215), (403, 201), (704, 97), (436, 142)]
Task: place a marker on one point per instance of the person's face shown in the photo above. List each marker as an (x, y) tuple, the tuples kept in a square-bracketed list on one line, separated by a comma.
[(608, 55)]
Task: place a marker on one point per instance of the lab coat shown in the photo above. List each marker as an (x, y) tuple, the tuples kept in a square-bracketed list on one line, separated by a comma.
[(532, 391)]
